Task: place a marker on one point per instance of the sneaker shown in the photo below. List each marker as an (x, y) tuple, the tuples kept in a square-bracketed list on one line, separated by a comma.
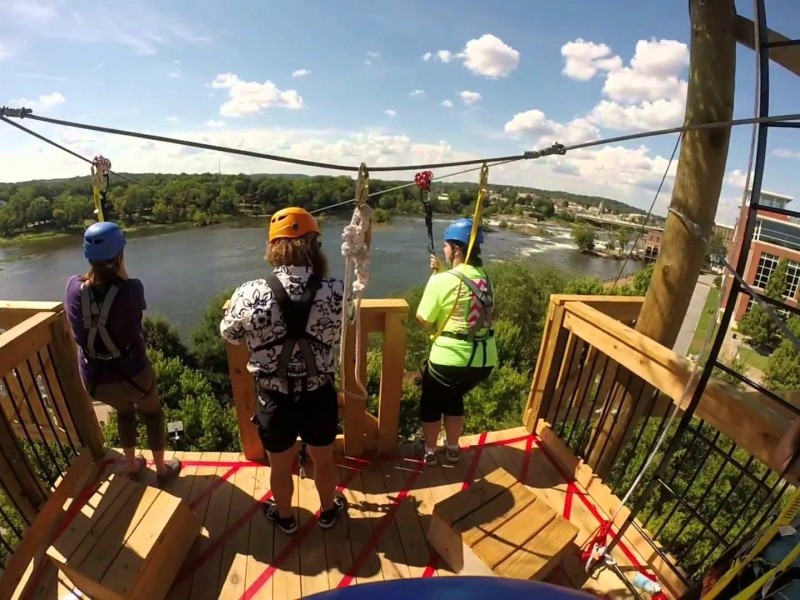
[(429, 456), (328, 518), (453, 453), (287, 525), (173, 470)]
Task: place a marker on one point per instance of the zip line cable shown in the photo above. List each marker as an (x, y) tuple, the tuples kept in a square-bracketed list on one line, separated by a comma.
[(318, 210), (649, 213), (83, 158), (26, 113)]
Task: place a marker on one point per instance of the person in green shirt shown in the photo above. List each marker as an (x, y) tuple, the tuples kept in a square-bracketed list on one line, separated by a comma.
[(458, 303)]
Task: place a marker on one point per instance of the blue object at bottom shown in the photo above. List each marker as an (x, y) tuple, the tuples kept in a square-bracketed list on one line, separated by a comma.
[(453, 588)]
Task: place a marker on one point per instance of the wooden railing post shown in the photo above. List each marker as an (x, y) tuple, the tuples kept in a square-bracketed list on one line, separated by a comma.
[(65, 363), (548, 366), (392, 370), (354, 407), (244, 399)]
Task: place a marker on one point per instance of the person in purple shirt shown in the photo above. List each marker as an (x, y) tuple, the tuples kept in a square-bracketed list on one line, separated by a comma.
[(105, 309)]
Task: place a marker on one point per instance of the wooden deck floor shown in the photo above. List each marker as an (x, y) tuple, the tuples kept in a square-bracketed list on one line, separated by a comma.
[(240, 555)]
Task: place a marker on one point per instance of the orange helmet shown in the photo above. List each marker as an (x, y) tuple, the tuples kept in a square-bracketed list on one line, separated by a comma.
[(292, 222)]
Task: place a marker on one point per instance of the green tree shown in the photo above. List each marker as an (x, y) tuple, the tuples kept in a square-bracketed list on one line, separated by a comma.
[(584, 238), (161, 336), (208, 348), (757, 324), (716, 248), (783, 368)]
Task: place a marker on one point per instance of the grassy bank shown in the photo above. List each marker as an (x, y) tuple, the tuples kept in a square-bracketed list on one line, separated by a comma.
[(706, 321)]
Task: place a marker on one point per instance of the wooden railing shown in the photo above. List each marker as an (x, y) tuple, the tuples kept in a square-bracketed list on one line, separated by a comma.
[(46, 416), (606, 391), (363, 431)]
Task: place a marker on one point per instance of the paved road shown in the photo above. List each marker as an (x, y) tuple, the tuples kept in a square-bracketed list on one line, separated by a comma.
[(693, 313)]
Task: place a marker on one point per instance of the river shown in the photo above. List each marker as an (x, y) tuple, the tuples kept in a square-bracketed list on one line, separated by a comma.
[(183, 270)]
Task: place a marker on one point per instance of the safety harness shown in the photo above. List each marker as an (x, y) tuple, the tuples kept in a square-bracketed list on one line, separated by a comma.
[(295, 314), (484, 320), (95, 319)]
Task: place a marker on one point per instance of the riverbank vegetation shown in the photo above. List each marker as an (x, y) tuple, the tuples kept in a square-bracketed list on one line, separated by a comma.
[(37, 208)]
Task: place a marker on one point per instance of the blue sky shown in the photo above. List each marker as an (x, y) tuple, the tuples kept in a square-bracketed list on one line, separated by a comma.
[(336, 81)]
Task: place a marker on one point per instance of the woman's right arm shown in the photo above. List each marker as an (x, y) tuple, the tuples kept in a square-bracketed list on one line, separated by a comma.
[(429, 306)]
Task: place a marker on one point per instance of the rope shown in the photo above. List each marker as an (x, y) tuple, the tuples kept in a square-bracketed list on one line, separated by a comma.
[(647, 216), (556, 148), (356, 239)]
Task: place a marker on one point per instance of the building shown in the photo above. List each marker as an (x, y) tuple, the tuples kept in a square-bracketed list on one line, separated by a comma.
[(775, 236), (648, 246), (725, 232)]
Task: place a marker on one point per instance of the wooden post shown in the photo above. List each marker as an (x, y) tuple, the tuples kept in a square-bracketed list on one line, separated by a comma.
[(354, 406), (392, 370), (701, 168), (244, 399), (65, 363), (548, 365)]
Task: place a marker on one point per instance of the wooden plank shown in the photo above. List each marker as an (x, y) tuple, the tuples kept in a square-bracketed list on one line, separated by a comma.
[(463, 503), (360, 524), (261, 534), (537, 558), (170, 532), (787, 56), (354, 406), (416, 553), (313, 573), (110, 562), (66, 368), (286, 580), (41, 531), (391, 390), (206, 579), (23, 340), (14, 312), (750, 425), (20, 480), (502, 542), (338, 554), (545, 376), (233, 566)]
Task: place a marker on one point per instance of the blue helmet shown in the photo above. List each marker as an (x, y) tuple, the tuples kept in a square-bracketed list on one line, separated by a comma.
[(460, 230), (103, 241)]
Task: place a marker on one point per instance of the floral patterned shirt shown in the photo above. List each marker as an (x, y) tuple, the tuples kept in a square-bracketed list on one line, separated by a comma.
[(255, 318)]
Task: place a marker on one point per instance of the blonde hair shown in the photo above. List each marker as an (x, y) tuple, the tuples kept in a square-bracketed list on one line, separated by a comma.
[(303, 251)]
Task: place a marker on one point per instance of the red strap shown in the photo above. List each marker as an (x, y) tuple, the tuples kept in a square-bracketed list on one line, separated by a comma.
[(423, 180)]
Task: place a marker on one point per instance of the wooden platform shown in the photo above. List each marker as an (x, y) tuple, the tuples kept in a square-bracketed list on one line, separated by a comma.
[(240, 555)]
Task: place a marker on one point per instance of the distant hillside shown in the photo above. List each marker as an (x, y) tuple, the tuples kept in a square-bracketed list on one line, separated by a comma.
[(447, 186)]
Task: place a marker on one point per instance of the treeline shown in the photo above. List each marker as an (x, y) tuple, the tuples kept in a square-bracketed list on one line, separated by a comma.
[(67, 204)]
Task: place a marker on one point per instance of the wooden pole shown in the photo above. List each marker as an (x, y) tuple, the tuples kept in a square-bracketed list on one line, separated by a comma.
[(701, 169)]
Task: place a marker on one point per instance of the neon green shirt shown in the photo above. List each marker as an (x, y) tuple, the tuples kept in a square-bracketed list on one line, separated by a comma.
[(441, 294)]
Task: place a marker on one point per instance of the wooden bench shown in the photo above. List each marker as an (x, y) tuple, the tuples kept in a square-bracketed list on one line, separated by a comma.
[(128, 541), (498, 527)]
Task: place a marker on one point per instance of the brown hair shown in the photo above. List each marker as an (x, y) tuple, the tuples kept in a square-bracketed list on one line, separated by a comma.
[(103, 274), (475, 259), (304, 251)]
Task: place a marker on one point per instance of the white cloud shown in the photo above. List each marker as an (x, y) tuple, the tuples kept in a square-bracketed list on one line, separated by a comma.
[(469, 97), (585, 59), (534, 125), (6, 50), (43, 101), (372, 54), (251, 97), (301, 72), (649, 93), (447, 103), (417, 93), (215, 123), (174, 74), (785, 153), (736, 178), (488, 56), (172, 119), (391, 113)]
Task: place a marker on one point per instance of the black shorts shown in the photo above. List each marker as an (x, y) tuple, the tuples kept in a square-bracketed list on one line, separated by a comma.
[(444, 388), (314, 416)]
